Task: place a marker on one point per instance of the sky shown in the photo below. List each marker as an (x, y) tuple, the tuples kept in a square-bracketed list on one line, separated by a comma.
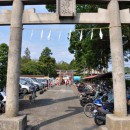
[(36, 43)]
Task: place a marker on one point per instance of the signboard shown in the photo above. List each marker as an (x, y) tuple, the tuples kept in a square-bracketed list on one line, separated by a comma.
[(66, 8)]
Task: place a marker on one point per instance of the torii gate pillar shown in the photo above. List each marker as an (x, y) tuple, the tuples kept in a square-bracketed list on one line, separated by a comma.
[(117, 59), (14, 55), (119, 120), (11, 120)]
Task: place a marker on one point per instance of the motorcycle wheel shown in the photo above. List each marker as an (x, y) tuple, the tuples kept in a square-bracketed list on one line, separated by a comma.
[(88, 110), (99, 122)]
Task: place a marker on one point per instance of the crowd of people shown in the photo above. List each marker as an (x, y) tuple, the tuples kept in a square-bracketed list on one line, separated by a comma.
[(66, 82)]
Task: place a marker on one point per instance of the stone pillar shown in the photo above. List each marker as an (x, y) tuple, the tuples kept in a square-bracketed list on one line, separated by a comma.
[(12, 103), (116, 46)]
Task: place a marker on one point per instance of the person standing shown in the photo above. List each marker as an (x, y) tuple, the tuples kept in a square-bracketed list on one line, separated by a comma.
[(67, 82)]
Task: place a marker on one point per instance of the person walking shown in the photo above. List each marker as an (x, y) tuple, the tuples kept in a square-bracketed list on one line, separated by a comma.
[(33, 95)]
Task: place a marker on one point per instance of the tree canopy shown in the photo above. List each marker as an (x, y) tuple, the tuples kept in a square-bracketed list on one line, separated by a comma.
[(48, 61), (44, 66), (27, 54)]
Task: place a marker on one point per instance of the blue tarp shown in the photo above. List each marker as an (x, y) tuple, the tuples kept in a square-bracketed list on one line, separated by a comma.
[(77, 78)]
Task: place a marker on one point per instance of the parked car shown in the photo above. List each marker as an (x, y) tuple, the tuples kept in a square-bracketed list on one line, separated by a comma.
[(34, 82), (42, 81), (38, 83), (25, 86)]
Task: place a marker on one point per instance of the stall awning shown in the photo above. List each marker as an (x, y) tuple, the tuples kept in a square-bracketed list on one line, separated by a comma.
[(90, 77), (103, 76)]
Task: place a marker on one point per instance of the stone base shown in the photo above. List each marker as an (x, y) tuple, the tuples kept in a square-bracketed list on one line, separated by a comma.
[(117, 123), (15, 123)]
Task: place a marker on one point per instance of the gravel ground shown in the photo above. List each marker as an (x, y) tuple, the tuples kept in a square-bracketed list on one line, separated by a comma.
[(56, 109)]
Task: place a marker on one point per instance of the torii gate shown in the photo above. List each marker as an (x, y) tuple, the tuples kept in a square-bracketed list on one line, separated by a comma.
[(18, 17)]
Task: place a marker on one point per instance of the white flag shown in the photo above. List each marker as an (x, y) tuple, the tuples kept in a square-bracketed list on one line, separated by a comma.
[(59, 36), (101, 34), (92, 34), (49, 35), (81, 35), (31, 35), (41, 34), (70, 34)]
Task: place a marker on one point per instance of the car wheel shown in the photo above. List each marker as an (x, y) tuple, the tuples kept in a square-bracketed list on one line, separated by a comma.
[(25, 91)]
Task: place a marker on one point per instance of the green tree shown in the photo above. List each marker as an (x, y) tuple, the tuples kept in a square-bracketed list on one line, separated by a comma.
[(90, 54), (3, 64), (63, 65), (33, 67), (26, 58), (27, 54), (45, 53), (73, 65), (48, 61)]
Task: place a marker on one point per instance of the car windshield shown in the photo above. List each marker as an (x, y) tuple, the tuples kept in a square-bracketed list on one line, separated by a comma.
[(3, 94), (34, 79), (41, 80), (23, 81)]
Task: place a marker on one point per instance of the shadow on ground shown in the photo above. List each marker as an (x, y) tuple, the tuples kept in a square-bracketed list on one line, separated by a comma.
[(91, 128), (72, 110), (25, 104)]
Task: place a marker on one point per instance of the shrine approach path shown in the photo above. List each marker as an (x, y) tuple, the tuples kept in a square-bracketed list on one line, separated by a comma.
[(56, 109)]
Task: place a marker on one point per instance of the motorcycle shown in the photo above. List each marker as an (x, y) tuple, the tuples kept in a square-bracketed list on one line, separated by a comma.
[(107, 108), (86, 97), (102, 111)]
